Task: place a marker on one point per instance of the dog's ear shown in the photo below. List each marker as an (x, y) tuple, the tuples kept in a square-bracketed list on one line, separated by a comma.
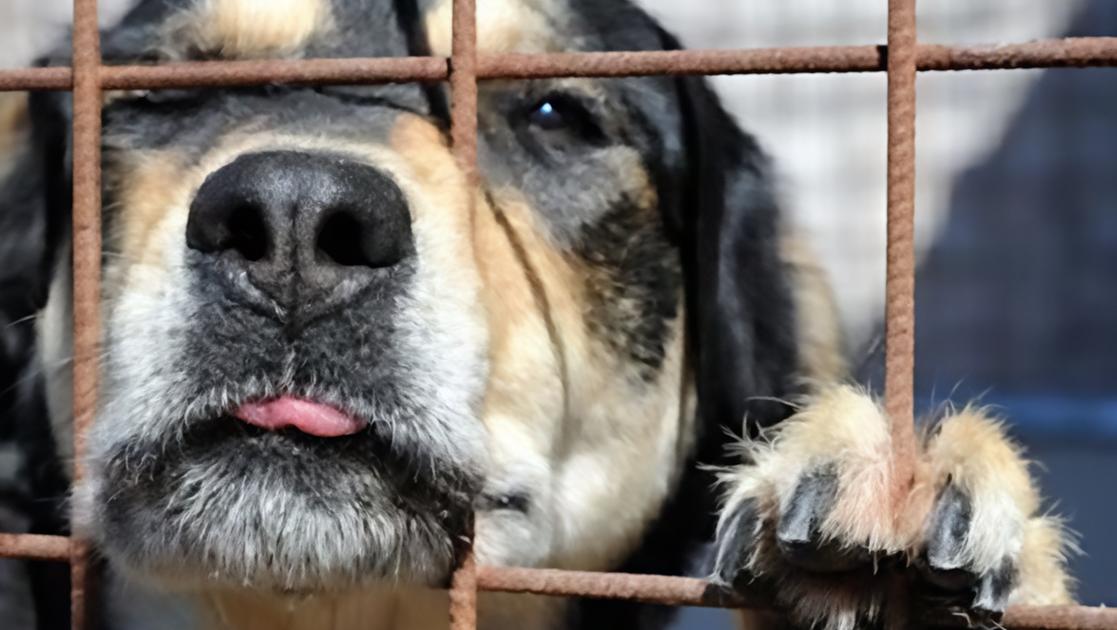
[(34, 198), (34, 211), (34, 195), (740, 301)]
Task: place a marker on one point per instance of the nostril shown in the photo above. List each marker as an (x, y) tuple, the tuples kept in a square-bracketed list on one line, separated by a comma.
[(248, 232), (237, 210), (340, 239), (351, 239)]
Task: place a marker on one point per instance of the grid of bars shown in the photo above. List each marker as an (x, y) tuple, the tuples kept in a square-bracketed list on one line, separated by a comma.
[(902, 58)]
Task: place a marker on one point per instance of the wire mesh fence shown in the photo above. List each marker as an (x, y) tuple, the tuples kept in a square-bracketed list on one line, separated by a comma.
[(902, 58)]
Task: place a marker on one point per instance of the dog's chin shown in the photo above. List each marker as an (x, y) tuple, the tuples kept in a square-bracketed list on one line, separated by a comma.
[(234, 506)]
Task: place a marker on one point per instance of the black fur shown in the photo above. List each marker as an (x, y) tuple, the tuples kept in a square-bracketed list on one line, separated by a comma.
[(634, 280)]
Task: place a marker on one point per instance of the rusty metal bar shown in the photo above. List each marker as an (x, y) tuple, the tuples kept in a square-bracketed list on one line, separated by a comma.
[(1051, 53), (463, 595), (36, 79), (683, 591), (900, 283), (463, 136), (813, 59), (286, 71), (34, 547), (87, 265), (899, 315), (463, 86), (1061, 617), (650, 589), (1069, 52)]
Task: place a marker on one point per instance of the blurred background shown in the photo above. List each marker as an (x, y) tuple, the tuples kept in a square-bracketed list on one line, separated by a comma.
[(1016, 212)]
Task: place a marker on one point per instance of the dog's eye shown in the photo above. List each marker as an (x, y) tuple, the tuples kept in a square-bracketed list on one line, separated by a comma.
[(561, 112), (548, 115)]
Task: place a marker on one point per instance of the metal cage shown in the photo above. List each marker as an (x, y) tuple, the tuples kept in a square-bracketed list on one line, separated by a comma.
[(901, 58)]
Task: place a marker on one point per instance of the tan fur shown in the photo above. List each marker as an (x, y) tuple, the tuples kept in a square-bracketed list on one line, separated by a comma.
[(249, 29), (13, 119), (421, 155), (840, 425), (153, 192), (380, 608), (533, 294), (13, 127), (972, 450), (375, 608), (822, 351), (525, 26), (1042, 563), (147, 186)]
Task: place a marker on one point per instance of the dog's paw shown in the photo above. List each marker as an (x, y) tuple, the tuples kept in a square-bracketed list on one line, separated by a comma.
[(813, 518)]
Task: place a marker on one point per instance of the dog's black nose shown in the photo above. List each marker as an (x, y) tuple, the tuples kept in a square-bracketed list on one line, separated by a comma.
[(301, 224)]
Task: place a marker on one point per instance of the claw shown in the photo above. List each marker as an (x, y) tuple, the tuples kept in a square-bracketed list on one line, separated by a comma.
[(994, 588), (799, 534), (945, 563), (735, 543), (801, 522)]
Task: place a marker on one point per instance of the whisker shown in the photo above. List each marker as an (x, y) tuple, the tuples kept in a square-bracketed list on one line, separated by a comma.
[(21, 320)]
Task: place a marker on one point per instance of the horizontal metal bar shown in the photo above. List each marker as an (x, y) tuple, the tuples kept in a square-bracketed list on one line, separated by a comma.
[(1069, 52), (1060, 617), (817, 59), (288, 71), (35, 547), (683, 591), (1052, 53), (238, 73), (652, 589), (60, 78)]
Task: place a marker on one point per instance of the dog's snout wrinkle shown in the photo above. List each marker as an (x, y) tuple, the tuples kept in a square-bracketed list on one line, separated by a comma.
[(302, 226)]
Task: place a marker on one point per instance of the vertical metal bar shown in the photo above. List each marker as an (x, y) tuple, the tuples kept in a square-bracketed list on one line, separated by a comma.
[(87, 262), (463, 133), (900, 285), (463, 595), (463, 86)]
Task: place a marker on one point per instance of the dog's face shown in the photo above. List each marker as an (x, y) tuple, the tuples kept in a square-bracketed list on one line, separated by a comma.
[(318, 362)]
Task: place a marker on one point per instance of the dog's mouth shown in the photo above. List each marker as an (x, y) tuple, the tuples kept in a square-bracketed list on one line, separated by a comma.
[(308, 441), (287, 493)]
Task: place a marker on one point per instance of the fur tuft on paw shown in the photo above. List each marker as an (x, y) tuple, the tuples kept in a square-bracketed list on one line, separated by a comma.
[(811, 517)]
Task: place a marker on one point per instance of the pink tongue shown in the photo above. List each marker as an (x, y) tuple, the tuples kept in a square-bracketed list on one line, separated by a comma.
[(308, 417)]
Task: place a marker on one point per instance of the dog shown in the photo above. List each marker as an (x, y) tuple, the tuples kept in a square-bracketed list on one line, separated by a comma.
[(329, 360)]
